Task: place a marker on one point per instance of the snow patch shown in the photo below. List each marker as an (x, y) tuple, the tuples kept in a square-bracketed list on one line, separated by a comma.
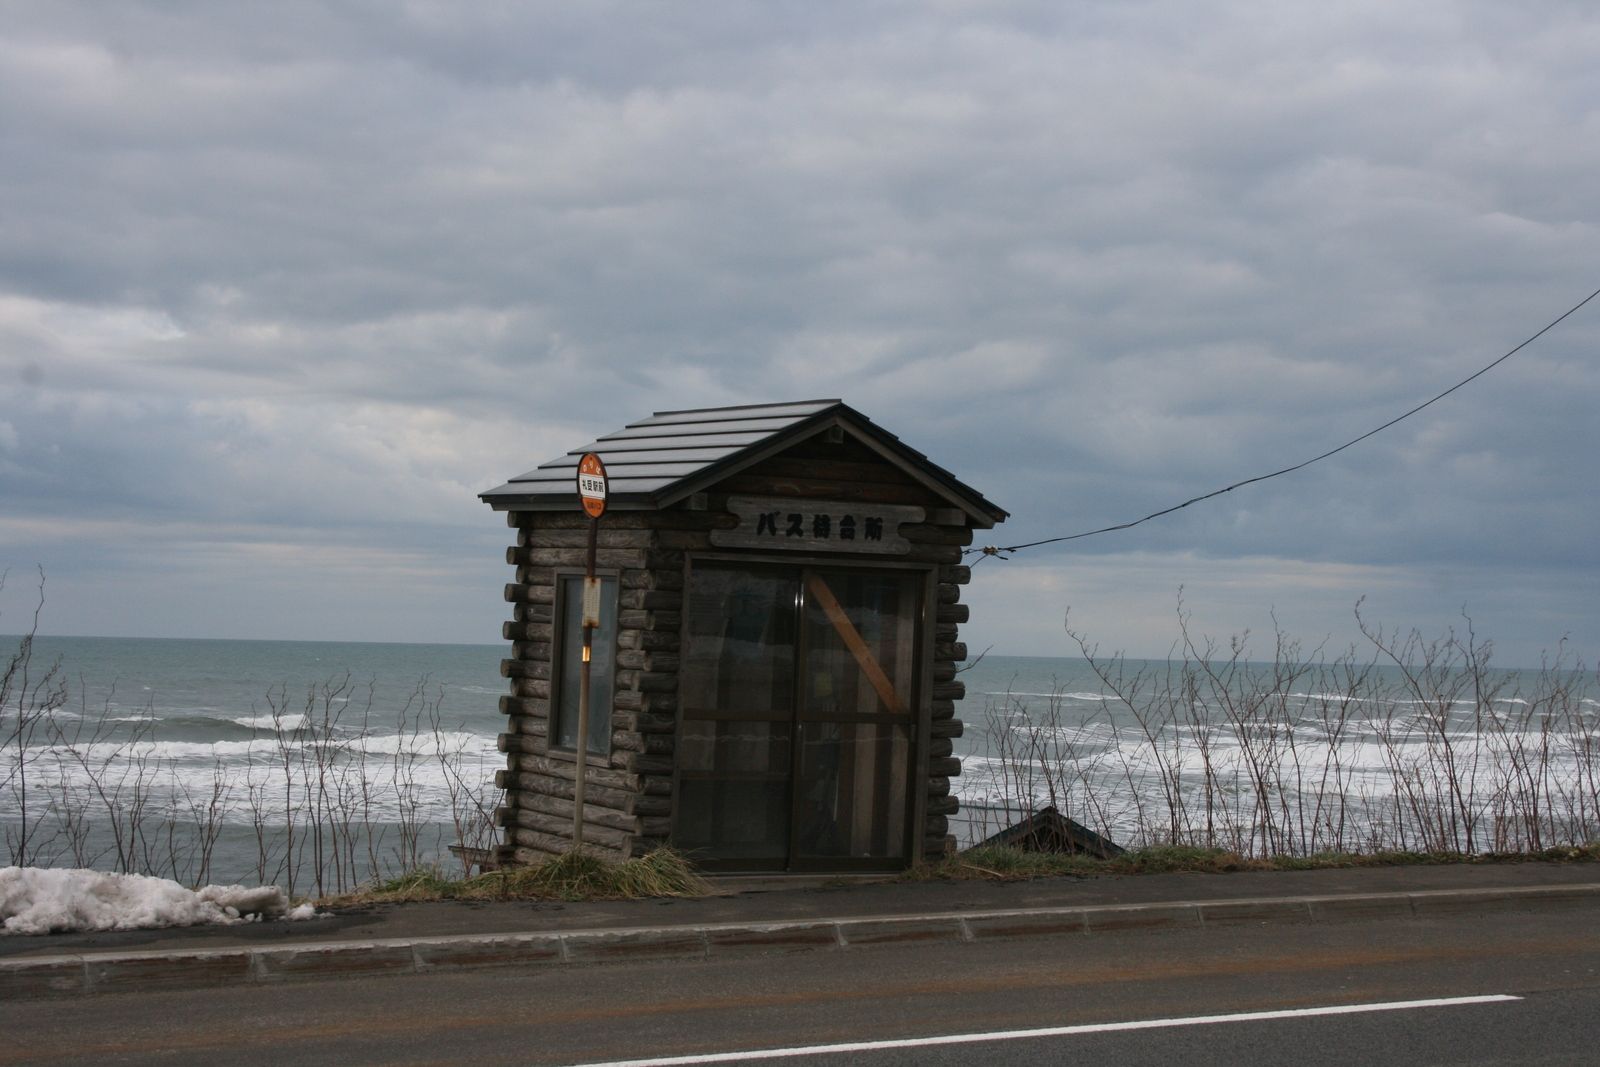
[(38, 900)]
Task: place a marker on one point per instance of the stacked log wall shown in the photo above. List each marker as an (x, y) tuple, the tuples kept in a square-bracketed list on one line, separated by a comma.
[(537, 817), (628, 791)]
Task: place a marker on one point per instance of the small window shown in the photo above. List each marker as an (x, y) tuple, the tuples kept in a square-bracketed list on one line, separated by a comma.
[(602, 668)]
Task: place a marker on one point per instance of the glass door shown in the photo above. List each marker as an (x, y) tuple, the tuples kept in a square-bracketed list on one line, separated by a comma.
[(735, 751), (855, 718), (798, 699)]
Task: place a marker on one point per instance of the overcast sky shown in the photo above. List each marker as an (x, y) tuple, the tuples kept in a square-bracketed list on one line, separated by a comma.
[(284, 286)]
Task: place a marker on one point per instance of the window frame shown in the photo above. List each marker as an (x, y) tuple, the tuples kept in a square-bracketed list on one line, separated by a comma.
[(560, 641)]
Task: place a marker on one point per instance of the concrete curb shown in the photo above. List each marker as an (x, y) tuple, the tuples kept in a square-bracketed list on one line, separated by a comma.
[(109, 972)]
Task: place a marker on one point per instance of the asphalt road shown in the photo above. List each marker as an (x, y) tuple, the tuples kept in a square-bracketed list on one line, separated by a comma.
[(620, 1012)]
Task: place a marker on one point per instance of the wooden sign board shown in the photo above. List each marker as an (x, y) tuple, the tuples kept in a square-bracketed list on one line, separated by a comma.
[(592, 484), (818, 526)]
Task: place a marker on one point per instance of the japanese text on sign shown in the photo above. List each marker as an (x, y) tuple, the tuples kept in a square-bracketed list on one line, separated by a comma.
[(592, 483), (817, 525)]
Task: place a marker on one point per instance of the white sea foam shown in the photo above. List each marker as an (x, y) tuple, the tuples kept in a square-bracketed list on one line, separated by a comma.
[(1406, 774), (296, 721), (388, 778), (259, 750), (1092, 697)]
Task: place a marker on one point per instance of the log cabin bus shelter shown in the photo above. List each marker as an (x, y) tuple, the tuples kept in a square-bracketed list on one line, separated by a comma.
[(774, 673)]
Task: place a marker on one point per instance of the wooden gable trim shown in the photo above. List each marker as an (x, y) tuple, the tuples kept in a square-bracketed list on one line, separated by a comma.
[(743, 460), (891, 451)]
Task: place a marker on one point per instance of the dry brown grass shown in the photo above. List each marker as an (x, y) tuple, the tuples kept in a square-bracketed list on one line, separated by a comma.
[(573, 876)]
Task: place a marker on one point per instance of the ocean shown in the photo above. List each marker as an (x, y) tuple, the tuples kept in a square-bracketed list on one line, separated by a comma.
[(321, 765), (317, 765)]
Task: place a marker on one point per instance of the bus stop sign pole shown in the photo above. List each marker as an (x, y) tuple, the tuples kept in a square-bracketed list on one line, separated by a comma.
[(592, 485)]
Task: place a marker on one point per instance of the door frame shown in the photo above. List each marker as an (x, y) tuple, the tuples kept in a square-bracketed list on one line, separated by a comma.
[(921, 699)]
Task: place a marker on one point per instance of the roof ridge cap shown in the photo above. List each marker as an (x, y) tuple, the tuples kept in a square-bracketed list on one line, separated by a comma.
[(748, 407)]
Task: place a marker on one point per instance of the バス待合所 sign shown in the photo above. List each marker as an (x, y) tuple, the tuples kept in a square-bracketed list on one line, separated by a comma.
[(818, 525)]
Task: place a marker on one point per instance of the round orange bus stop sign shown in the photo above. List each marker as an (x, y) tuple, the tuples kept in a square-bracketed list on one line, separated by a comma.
[(592, 484)]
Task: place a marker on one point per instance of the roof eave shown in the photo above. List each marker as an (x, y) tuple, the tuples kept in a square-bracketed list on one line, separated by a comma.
[(550, 502)]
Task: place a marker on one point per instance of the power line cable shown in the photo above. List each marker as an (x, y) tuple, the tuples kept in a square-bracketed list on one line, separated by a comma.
[(991, 550)]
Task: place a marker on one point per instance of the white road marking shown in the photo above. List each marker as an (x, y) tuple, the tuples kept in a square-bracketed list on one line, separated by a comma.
[(1049, 1031)]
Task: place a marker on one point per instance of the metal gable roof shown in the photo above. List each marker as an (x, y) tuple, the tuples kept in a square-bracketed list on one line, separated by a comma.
[(658, 461)]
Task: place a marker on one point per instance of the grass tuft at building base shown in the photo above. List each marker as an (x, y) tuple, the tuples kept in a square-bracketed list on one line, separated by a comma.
[(572, 876)]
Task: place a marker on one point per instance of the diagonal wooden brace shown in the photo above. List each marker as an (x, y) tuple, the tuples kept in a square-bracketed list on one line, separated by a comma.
[(819, 591)]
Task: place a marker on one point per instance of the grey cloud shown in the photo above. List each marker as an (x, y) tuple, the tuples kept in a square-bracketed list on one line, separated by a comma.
[(1094, 259)]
